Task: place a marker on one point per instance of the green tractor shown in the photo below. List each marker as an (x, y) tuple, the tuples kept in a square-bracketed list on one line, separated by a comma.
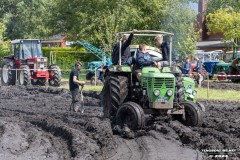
[(126, 101)]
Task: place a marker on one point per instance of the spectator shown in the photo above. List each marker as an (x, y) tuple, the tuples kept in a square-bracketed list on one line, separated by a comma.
[(199, 70), (186, 67)]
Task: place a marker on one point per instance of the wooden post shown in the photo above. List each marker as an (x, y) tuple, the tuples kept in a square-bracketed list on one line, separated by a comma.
[(208, 85), (95, 78)]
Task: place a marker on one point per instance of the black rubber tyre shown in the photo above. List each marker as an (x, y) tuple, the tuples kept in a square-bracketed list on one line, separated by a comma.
[(8, 74), (114, 93), (132, 115), (55, 76), (201, 106), (193, 114), (179, 91), (89, 76), (24, 77)]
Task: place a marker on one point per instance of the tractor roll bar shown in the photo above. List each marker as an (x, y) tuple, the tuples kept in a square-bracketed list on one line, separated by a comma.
[(148, 33)]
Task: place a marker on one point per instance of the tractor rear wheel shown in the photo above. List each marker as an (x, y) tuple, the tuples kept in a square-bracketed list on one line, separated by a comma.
[(114, 93), (55, 76), (130, 114), (8, 75), (193, 114), (24, 75), (179, 91)]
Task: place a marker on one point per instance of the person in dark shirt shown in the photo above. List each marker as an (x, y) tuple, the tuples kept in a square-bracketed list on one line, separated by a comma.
[(125, 50), (144, 59), (186, 67), (199, 70), (164, 47), (74, 86)]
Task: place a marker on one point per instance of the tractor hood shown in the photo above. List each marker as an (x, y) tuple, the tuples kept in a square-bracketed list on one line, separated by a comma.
[(155, 72)]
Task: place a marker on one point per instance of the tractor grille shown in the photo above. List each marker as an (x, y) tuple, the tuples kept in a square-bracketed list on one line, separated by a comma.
[(169, 82)]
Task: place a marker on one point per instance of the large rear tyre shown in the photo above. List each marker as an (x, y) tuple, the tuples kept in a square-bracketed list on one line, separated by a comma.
[(193, 114), (132, 115), (114, 93), (55, 76), (24, 75), (8, 75)]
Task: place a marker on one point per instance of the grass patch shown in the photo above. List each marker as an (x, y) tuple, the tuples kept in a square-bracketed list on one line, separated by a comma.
[(216, 94), (86, 87)]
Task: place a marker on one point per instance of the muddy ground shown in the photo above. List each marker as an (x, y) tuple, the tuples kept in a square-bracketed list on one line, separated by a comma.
[(35, 124)]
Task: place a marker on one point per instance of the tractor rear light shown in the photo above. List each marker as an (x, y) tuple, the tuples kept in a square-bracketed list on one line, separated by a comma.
[(156, 92), (169, 92)]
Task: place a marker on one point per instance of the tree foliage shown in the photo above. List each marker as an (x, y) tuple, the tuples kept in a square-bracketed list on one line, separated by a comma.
[(225, 21), (213, 5), (4, 45), (97, 21)]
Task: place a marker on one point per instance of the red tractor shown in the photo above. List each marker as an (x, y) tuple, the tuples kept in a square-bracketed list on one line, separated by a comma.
[(27, 65)]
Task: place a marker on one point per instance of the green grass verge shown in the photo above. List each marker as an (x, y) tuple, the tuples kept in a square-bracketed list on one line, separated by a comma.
[(216, 94), (86, 87)]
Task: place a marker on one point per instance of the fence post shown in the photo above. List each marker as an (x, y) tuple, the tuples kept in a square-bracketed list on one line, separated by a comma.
[(95, 78), (208, 85)]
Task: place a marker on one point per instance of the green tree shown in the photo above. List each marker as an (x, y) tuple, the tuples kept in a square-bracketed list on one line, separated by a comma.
[(26, 19), (225, 21), (213, 5), (99, 21), (4, 45)]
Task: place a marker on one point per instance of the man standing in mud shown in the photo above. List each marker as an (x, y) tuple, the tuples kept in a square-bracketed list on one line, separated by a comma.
[(74, 86)]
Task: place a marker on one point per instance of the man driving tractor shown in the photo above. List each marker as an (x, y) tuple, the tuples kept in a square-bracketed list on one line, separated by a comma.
[(144, 60)]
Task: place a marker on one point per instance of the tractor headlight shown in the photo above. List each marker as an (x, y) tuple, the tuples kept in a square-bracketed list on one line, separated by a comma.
[(169, 92), (194, 93), (156, 92)]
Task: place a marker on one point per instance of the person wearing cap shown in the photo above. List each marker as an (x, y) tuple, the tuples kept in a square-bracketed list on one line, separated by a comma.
[(74, 86), (164, 47), (125, 50)]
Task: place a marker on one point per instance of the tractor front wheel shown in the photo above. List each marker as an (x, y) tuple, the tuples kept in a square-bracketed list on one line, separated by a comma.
[(193, 114), (8, 75), (55, 76), (132, 115), (24, 75)]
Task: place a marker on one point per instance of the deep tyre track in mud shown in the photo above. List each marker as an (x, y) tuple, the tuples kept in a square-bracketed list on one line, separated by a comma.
[(35, 124)]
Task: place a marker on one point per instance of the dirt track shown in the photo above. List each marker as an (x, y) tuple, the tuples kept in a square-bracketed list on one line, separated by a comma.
[(35, 124)]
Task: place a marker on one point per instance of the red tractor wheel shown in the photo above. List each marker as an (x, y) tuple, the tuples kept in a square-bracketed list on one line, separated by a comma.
[(55, 76), (24, 76)]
